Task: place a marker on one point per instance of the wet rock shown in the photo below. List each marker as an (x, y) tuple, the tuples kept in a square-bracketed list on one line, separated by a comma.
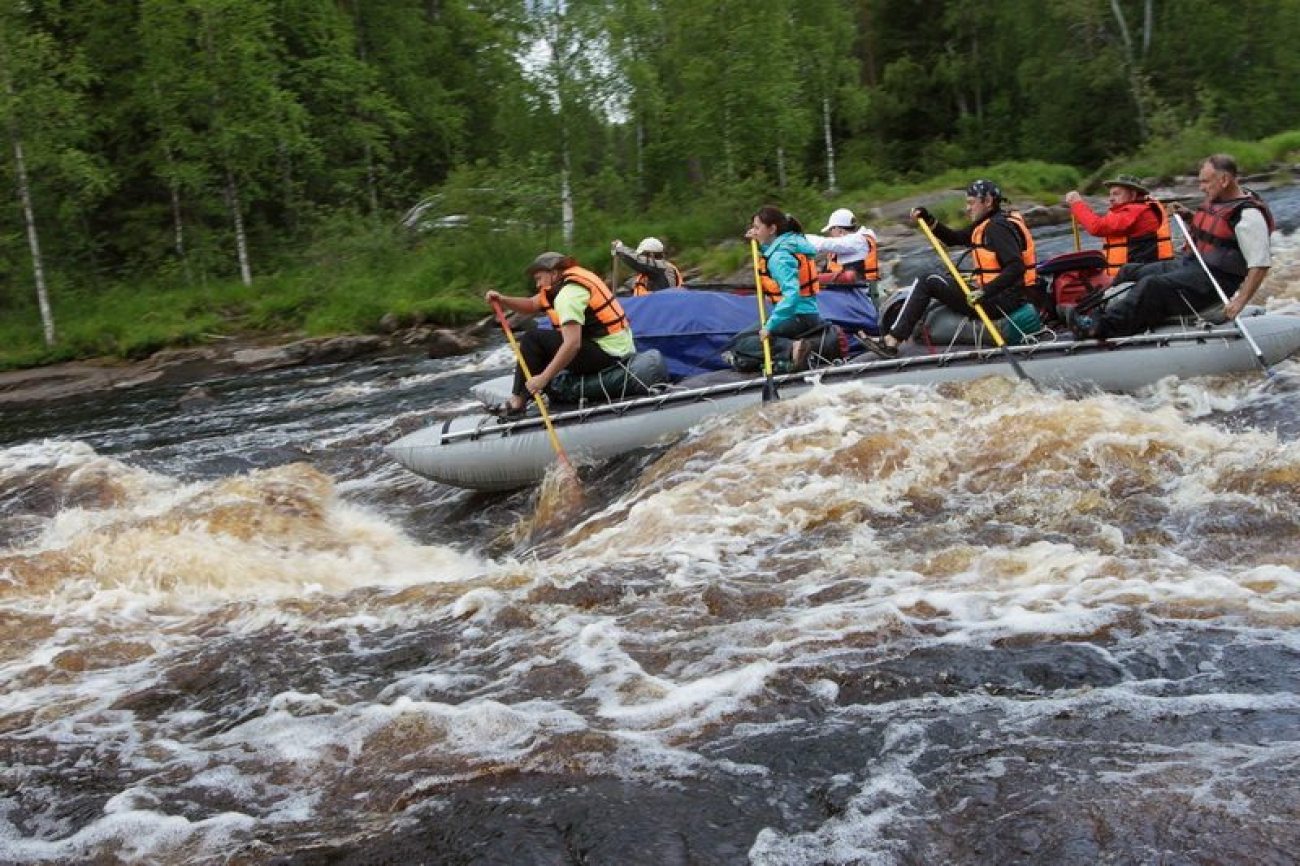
[(197, 397), (441, 342)]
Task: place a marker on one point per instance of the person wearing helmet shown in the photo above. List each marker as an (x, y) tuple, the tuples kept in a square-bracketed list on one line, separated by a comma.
[(851, 250), (1002, 252), (1135, 229), (590, 330), (653, 270)]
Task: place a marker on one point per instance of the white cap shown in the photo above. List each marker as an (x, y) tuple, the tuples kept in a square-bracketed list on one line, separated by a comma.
[(650, 245), (840, 219)]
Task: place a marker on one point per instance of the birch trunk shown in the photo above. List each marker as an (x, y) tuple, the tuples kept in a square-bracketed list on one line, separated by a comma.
[(832, 184), (237, 218), (33, 239), (1131, 63), (640, 156), (566, 192), (780, 166)]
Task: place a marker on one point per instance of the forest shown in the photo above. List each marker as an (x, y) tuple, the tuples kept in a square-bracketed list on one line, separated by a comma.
[(176, 170)]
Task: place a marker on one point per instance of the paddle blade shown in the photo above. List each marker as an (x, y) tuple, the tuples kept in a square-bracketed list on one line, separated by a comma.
[(769, 391), (560, 499)]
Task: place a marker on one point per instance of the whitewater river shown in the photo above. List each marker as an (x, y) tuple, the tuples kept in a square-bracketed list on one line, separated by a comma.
[(956, 625)]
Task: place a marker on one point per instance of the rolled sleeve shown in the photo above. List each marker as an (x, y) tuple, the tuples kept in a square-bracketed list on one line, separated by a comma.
[(1252, 237)]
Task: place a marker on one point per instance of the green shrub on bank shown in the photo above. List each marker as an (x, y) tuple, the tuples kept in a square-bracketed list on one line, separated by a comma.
[(1181, 154), (355, 273)]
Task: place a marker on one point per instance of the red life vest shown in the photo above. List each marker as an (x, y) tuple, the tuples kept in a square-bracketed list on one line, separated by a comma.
[(986, 261), (809, 285), (642, 284), (1154, 247), (1214, 230), (604, 313)]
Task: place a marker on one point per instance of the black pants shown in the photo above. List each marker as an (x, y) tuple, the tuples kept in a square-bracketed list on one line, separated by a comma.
[(946, 292), (539, 346), (1162, 290), (781, 338)]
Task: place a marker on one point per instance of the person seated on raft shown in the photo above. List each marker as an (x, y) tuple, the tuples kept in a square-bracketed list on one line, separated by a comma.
[(653, 270), (591, 331), (1135, 230), (788, 277), (1002, 251), (851, 251), (1231, 230)]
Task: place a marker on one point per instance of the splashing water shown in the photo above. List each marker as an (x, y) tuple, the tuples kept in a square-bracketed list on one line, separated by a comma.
[(962, 624)]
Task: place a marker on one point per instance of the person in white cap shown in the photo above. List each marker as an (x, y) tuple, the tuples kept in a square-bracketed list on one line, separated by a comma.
[(852, 251), (653, 270)]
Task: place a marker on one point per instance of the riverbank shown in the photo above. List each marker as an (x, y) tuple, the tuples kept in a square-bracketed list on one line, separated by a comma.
[(233, 356)]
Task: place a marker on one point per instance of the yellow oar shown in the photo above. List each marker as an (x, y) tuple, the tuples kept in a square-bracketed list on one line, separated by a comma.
[(769, 387), (979, 308), (1074, 224), (541, 404)]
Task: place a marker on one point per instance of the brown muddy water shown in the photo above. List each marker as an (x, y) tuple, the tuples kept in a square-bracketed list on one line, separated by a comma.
[(955, 625)]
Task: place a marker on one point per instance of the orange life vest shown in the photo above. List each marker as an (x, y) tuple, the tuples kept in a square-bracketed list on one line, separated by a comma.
[(604, 313), (1155, 247), (1214, 230), (868, 268), (642, 284), (809, 285), (986, 261)]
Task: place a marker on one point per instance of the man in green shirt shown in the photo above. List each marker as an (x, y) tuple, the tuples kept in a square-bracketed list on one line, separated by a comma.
[(591, 331)]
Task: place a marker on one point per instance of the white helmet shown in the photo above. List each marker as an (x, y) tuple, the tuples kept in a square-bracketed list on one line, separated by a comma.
[(650, 245)]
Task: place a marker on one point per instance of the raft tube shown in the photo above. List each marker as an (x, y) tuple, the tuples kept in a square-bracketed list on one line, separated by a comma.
[(481, 452)]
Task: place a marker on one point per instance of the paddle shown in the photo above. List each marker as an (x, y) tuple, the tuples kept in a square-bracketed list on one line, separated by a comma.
[(1074, 225), (565, 465), (979, 308), (1241, 328), (769, 387)]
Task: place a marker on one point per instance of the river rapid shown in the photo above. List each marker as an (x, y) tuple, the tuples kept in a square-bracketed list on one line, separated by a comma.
[(960, 624)]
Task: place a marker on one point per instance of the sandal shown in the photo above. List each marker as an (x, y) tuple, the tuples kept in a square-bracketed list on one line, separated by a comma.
[(507, 412), (879, 347)]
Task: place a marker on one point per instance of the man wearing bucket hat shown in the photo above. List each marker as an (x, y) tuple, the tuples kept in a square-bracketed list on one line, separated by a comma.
[(851, 250), (590, 330), (1231, 231), (1135, 229), (653, 270)]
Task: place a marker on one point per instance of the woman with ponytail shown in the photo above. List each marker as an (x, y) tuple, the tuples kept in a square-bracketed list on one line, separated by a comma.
[(787, 276)]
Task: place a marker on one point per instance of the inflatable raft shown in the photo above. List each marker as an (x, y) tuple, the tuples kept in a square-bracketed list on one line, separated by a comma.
[(481, 452)]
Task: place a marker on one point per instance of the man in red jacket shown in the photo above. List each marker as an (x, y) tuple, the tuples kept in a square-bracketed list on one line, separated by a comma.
[(1135, 229)]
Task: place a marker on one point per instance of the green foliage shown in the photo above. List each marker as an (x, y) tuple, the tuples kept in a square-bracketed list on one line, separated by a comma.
[(150, 126)]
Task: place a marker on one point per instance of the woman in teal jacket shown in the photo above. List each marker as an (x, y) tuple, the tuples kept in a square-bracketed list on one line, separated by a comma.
[(788, 277)]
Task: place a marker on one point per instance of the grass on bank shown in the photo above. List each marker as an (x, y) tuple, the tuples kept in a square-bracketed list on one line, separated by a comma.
[(356, 275)]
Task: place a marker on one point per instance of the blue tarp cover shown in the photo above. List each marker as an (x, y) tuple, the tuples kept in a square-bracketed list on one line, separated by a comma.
[(690, 327)]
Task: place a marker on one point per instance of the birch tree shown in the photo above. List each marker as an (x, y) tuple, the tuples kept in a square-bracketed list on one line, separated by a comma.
[(569, 67), (220, 103), (43, 123)]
